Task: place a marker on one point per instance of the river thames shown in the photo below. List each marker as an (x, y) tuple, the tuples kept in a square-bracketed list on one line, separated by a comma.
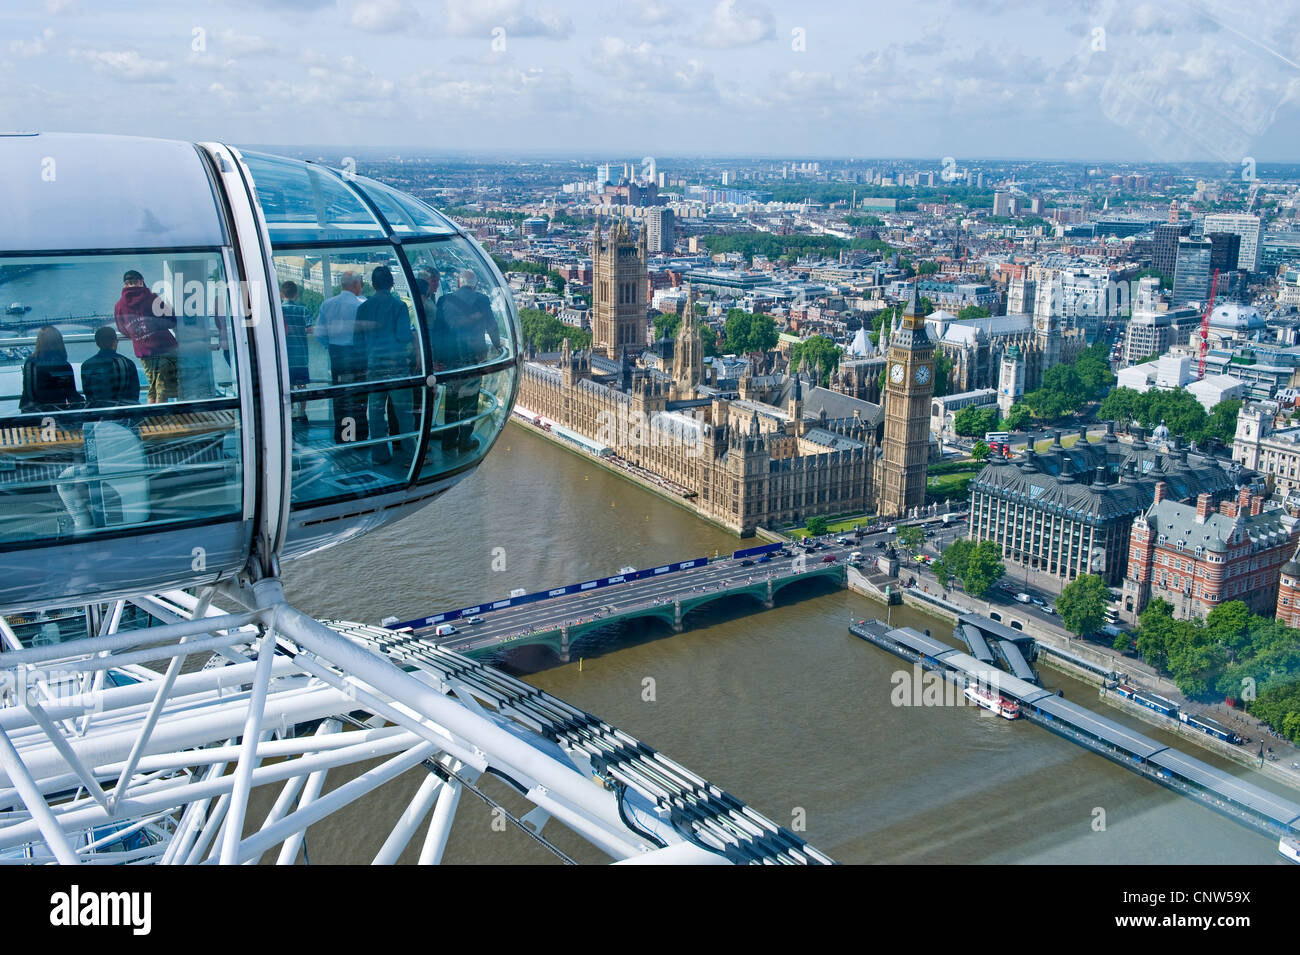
[(783, 708)]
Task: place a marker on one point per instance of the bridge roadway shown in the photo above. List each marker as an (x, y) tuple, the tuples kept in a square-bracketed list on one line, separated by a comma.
[(557, 621)]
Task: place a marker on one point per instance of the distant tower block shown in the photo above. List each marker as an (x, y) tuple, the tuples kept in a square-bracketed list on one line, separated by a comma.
[(618, 293), (1011, 382)]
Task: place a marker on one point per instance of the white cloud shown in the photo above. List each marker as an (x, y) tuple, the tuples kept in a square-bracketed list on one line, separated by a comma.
[(514, 16), (383, 16), (237, 44), (124, 64), (642, 67), (737, 23), (33, 47), (650, 13)]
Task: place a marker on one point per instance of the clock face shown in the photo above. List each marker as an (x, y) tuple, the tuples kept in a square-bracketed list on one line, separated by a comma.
[(923, 374), (896, 374)]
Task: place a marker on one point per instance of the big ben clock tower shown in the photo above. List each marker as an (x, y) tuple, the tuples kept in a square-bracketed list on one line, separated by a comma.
[(909, 383)]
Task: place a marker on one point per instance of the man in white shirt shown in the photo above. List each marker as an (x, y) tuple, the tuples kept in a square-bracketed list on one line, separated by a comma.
[(336, 328)]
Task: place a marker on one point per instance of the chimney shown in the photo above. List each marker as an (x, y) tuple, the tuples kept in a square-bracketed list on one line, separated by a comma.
[(1256, 504), (1162, 491), (1204, 508), (1243, 500), (1228, 508)]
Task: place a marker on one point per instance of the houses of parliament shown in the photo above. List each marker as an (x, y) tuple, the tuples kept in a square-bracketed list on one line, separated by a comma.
[(766, 448)]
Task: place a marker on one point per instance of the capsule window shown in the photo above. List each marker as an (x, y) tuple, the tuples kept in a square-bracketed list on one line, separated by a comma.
[(356, 370), (119, 394)]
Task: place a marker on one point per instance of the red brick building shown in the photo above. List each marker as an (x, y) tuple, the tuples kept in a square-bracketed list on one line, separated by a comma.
[(1199, 556)]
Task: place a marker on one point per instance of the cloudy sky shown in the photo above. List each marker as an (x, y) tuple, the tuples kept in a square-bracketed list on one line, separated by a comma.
[(1097, 79)]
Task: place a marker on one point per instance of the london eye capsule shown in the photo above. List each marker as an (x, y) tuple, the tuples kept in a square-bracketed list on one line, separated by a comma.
[(213, 360)]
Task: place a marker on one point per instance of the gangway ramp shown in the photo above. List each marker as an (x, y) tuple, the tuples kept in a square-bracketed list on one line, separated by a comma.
[(1016, 661), (979, 647)]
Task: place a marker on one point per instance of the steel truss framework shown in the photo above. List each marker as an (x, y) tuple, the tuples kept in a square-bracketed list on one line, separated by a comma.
[(282, 700)]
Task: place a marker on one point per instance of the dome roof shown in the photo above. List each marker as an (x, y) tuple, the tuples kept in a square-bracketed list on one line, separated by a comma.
[(1233, 316), (1291, 567)]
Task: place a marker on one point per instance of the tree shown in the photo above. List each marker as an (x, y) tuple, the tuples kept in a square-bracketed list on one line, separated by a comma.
[(956, 556), (983, 569), (980, 451), (1082, 604), (942, 374), (973, 311), (709, 339), (927, 268), (1017, 418), (1121, 406), (974, 421), (816, 526), (1223, 420), (749, 332), (545, 332), (819, 350), (667, 324), (909, 538)]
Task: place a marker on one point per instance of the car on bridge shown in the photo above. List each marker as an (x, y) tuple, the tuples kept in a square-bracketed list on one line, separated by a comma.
[(765, 558), (746, 563)]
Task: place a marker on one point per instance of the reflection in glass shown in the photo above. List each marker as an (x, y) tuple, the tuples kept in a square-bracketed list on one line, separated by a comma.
[(118, 394)]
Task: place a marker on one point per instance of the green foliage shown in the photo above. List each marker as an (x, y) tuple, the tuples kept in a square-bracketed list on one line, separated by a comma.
[(977, 565), (667, 324), (859, 222), (974, 311), (749, 332), (709, 339), (929, 268), (983, 569), (952, 467), (1179, 410), (1082, 604), (942, 374), (979, 451), (774, 246), (519, 265), (973, 421), (909, 538), (816, 526), (817, 349), (546, 333), (1226, 656), (1017, 419), (1150, 358)]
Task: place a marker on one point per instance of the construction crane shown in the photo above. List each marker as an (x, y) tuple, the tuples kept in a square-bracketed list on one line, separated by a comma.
[(1205, 324)]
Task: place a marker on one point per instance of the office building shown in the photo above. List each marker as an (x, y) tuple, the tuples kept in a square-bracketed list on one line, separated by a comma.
[(1192, 272), (1249, 227)]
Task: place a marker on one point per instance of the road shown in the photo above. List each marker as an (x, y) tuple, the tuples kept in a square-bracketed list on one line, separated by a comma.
[(497, 626)]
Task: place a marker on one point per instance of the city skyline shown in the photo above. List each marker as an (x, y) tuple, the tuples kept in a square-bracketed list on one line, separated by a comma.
[(1162, 83)]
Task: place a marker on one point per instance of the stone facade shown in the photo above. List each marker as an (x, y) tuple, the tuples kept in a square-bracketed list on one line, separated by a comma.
[(743, 463), (618, 294)]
